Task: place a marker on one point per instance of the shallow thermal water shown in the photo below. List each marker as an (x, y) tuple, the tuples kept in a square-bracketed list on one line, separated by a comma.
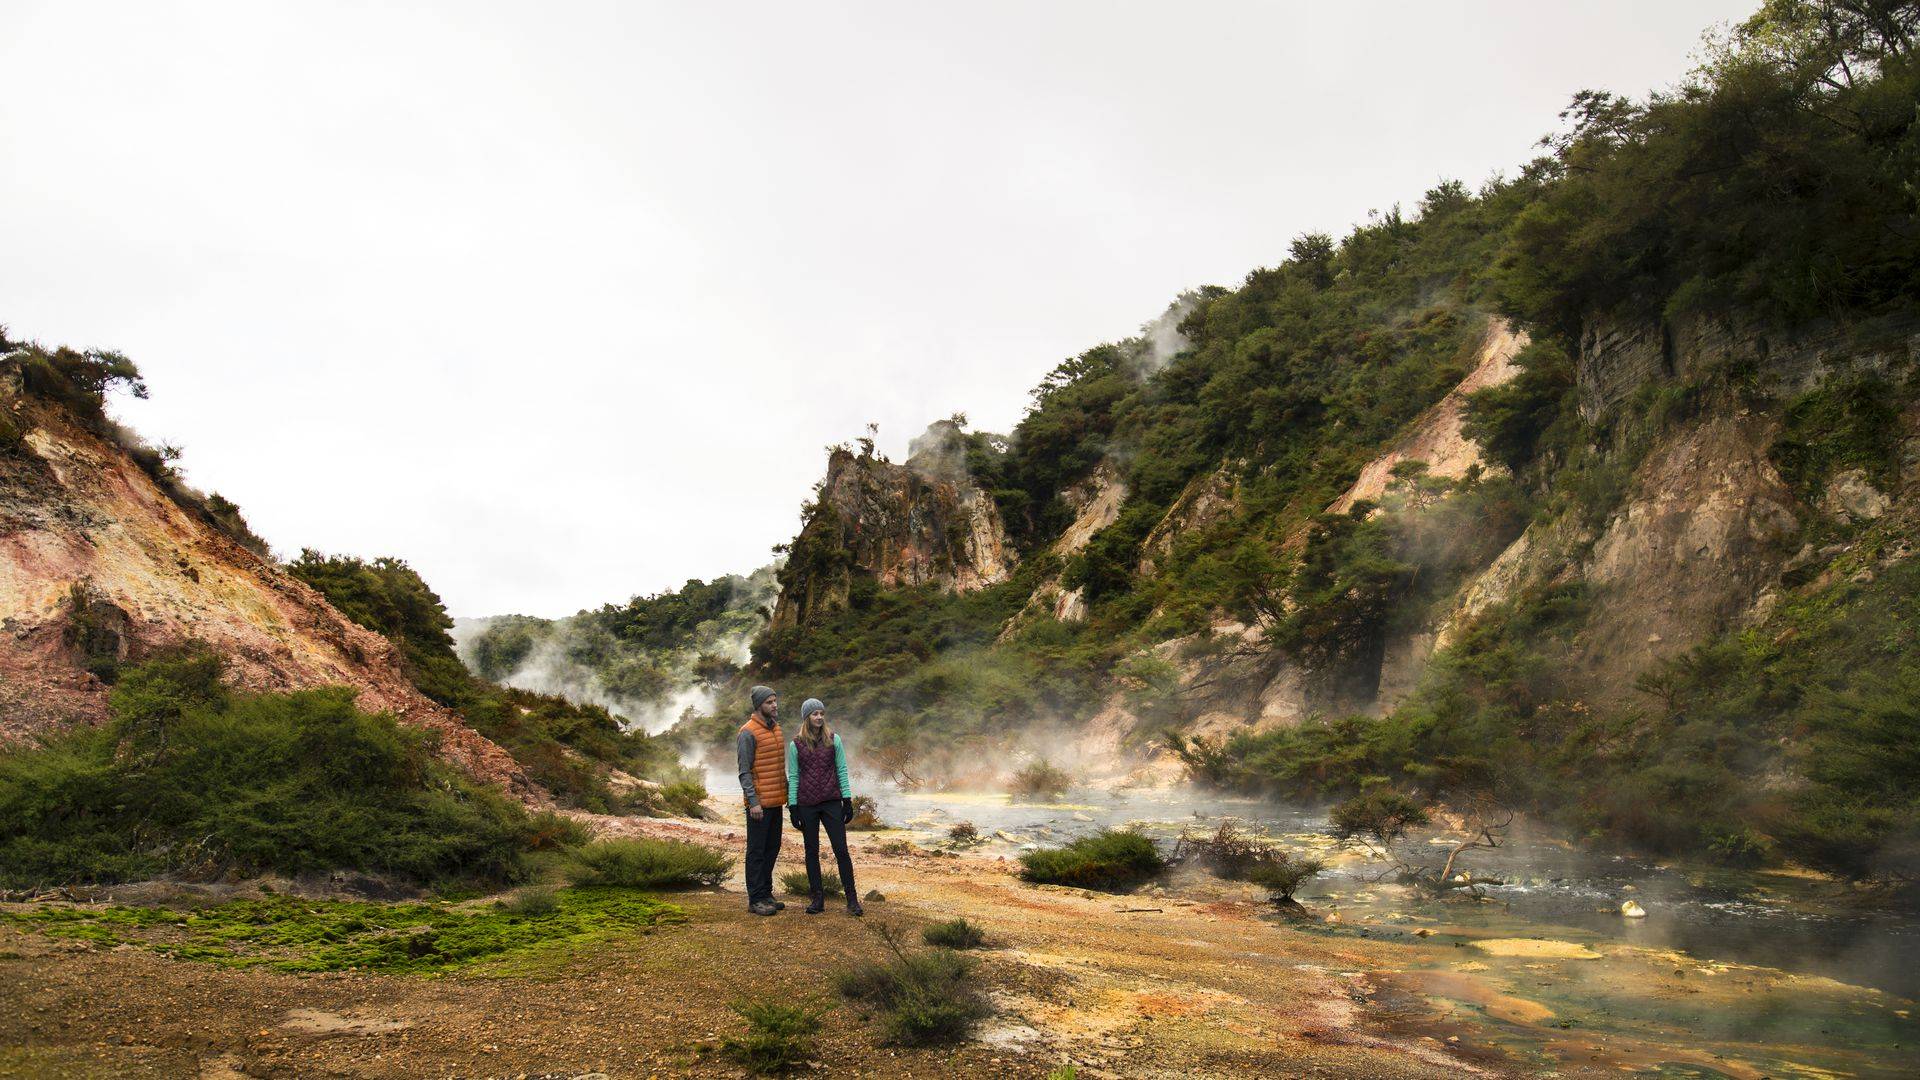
[(1818, 975)]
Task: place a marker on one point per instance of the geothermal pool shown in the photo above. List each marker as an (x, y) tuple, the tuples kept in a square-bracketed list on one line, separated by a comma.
[(1731, 973)]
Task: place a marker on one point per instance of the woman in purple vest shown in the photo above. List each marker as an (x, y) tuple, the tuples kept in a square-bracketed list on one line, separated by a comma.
[(819, 793)]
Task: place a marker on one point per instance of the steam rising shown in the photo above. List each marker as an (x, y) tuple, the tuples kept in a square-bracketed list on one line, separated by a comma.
[(1161, 340), (605, 657)]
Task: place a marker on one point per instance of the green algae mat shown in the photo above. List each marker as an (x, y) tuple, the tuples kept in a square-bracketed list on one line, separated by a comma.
[(293, 934)]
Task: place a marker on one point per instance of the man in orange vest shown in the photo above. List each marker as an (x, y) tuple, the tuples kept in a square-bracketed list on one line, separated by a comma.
[(763, 782)]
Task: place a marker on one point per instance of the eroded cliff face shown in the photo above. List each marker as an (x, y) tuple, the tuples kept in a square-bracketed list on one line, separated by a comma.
[(1253, 686), (96, 560), (1437, 437), (1707, 537), (1619, 355), (1096, 503), (917, 523)]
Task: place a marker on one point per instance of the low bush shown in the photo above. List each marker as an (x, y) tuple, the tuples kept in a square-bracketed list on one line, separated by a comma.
[(954, 934), (683, 798), (530, 903), (923, 997), (964, 833), (1283, 876), (1381, 815), (777, 1039), (795, 883), (646, 863), (1039, 780), (866, 814), (1228, 853), (1107, 860), (191, 778)]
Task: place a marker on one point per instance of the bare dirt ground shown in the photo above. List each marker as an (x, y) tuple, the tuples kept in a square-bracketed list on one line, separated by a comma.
[(1189, 989)]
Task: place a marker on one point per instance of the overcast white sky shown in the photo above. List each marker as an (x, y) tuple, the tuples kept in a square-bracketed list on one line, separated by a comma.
[(560, 302)]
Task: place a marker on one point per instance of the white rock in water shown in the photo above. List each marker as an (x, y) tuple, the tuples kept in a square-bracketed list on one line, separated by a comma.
[(1632, 910), (1078, 816)]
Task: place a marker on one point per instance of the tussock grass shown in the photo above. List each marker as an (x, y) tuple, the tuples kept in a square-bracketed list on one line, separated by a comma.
[(778, 1036), (645, 863), (1112, 859), (954, 934), (1040, 780), (794, 882), (924, 998)]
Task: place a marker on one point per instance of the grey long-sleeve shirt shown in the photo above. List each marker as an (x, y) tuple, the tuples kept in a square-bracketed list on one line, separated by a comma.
[(743, 748)]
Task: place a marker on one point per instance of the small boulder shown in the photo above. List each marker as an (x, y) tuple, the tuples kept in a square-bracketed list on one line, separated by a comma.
[(875, 896), (1850, 496), (1632, 910)]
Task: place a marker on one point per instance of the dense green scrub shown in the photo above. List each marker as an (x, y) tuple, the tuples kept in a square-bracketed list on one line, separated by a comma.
[(189, 777), (566, 747), (295, 934)]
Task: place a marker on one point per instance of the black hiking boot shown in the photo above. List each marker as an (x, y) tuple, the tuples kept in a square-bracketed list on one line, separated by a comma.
[(818, 905), (853, 907)]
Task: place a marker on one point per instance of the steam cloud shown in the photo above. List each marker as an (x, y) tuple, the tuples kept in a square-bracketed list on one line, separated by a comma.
[(576, 658)]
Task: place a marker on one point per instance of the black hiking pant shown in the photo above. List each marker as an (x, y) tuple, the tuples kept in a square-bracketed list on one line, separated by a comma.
[(763, 847), (832, 816)]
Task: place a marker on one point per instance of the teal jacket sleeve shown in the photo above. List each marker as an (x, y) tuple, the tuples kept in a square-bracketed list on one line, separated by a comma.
[(793, 776), (840, 765)]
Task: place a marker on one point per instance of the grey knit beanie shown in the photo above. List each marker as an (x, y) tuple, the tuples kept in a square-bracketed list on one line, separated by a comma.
[(760, 696), (810, 706)]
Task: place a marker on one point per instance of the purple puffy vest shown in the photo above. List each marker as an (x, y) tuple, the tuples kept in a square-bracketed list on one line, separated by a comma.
[(819, 780)]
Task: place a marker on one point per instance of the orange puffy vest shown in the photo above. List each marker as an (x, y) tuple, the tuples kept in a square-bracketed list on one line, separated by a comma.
[(769, 763)]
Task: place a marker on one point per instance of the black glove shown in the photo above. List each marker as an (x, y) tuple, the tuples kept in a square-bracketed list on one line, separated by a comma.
[(793, 815), (846, 811)]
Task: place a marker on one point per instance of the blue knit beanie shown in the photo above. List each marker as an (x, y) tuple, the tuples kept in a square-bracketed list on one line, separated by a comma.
[(810, 706), (760, 696)]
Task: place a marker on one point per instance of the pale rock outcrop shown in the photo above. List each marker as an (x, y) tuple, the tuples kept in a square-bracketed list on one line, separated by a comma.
[(1850, 496), (1437, 436), (922, 522), (1619, 354), (1096, 502), (1206, 500), (1706, 530)]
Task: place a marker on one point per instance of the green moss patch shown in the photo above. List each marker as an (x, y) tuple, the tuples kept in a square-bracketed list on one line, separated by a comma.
[(290, 934)]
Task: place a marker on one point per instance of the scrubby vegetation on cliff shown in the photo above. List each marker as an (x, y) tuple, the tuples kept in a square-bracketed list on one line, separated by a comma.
[(76, 382), (194, 779), (567, 747)]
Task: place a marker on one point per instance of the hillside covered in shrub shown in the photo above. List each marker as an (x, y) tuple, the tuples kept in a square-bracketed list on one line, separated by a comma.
[(1592, 488)]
